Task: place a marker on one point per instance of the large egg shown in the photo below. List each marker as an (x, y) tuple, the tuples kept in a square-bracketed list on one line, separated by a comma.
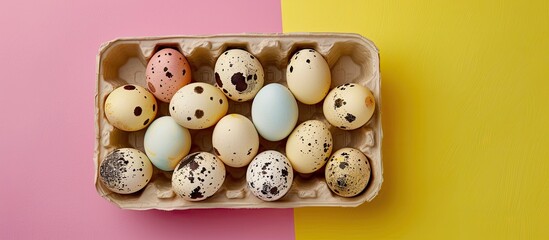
[(308, 76), (269, 176), (347, 172), (235, 140), (130, 107), (349, 106), (167, 72), (274, 112), (238, 74), (125, 170), (198, 106), (309, 146), (166, 143), (198, 176)]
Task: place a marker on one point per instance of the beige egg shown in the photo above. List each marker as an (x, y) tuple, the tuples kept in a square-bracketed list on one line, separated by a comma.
[(130, 108), (125, 170), (309, 146), (198, 106), (238, 74), (308, 76), (347, 172), (269, 176), (235, 140), (349, 106), (198, 176)]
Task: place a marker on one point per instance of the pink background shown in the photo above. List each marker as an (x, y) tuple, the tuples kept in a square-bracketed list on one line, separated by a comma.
[(47, 104)]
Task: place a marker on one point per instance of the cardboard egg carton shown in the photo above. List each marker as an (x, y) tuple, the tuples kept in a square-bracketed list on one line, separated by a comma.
[(351, 57)]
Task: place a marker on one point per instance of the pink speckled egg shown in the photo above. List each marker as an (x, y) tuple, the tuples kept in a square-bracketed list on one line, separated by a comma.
[(167, 72)]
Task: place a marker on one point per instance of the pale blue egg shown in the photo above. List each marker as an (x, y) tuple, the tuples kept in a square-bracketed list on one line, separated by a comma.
[(274, 112), (166, 143)]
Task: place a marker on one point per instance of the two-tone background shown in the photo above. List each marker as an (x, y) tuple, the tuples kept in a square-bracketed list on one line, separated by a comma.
[(465, 117)]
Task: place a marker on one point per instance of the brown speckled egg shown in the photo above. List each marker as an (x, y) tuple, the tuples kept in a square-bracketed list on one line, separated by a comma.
[(167, 72), (198, 176), (349, 106), (347, 172), (130, 108), (309, 146), (125, 170), (238, 74), (198, 106), (269, 176)]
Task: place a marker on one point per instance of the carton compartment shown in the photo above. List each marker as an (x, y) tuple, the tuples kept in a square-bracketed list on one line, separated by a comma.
[(351, 58)]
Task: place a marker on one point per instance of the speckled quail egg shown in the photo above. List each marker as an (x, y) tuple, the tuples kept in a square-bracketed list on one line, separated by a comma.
[(198, 106), (198, 176), (309, 146), (269, 176), (130, 108), (125, 170), (166, 143), (167, 72), (349, 106), (308, 76), (235, 140), (238, 74), (347, 172)]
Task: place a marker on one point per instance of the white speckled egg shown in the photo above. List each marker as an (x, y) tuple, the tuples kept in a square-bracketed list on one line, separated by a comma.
[(238, 74), (167, 72), (130, 108), (269, 176), (166, 143), (309, 146), (347, 172), (125, 170), (235, 140), (349, 106), (198, 176), (274, 112), (198, 106), (308, 76)]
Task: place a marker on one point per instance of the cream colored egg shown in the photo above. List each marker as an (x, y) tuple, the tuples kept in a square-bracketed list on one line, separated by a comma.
[(347, 172), (198, 176), (125, 170), (198, 106), (166, 143), (308, 76), (130, 108), (349, 106), (238, 74), (309, 146), (235, 140)]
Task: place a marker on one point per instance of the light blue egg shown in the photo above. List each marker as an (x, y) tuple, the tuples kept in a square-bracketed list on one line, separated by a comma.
[(274, 112), (166, 143)]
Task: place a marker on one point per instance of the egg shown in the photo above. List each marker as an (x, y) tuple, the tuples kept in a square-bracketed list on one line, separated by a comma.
[(274, 112), (309, 146), (235, 140), (125, 170), (166, 143), (198, 106), (349, 106), (198, 176), (238, 74), (308, 76), (269, 176), (130, 107), (167, 72), (347, 172)]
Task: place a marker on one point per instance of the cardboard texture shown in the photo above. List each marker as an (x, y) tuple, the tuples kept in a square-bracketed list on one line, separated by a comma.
[(351, 57)]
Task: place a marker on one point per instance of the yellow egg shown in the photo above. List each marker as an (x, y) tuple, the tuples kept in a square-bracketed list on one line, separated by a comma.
[(347, 172), (235, 140), (349, 106), (308, 76), (198, 106), (309, 146), (130, 108)]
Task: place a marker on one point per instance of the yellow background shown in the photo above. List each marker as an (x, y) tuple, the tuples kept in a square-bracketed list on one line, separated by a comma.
[(465, 88)]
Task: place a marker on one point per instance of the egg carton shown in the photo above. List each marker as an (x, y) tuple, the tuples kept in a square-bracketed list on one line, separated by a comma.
[(351, 57)]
